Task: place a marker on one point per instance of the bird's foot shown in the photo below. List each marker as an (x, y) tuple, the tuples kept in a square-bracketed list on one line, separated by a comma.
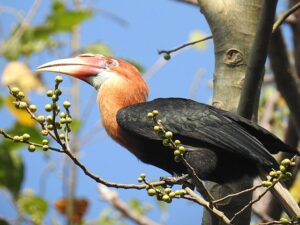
[(176, 179)]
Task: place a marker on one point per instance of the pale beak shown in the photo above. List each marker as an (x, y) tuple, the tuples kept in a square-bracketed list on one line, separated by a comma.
[(81, 67)]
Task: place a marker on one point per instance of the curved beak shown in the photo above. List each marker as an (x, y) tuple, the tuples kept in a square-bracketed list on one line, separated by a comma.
[(81, 67)]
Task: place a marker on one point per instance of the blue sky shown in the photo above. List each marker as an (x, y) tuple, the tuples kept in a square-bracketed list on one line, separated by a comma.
[(152, 25)]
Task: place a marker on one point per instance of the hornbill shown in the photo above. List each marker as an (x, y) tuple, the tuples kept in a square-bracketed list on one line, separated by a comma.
[(221, 146)]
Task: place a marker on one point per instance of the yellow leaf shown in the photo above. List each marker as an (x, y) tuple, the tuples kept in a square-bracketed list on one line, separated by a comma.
[(18, 74), (281, 101), (195, 36), (21, 115), (295, 190)]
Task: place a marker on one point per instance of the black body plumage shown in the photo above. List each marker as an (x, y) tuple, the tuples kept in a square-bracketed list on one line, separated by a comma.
[(222, 146)]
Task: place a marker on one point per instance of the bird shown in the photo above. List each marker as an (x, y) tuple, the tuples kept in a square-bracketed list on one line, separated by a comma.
[(220, 146)]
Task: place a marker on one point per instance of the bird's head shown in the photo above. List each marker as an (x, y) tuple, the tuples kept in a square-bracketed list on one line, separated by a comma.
[(94, 69)]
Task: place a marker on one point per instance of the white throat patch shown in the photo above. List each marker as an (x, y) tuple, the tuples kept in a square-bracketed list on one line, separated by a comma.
[(97, 81)]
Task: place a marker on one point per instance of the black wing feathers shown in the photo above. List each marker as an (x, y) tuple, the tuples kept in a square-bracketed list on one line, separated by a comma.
[(198, 124)]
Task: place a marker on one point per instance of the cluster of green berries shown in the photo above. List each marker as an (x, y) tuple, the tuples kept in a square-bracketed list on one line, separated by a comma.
[(47, 122), (281, 174), (295, 220), (20, 103), (64, 117), (152, 114), (15, 91), (165, 194), (19, 96), (31, 147), (45, 146), (167, 136), (24, 138)]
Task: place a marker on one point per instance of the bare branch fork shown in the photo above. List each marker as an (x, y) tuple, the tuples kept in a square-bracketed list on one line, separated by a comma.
[(253, 79), (285, 15), (184, 45), (276, 25), (192, 195), (112, 197), (65, 148)]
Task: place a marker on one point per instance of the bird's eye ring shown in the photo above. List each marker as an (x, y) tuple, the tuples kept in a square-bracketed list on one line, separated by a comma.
[(111, 63)]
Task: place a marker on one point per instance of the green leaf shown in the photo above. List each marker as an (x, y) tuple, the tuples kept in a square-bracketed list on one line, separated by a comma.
[(163, 206), (35, 206), (110, 216), (75, 125), (105, 218), (35, 134), (62, 19), (17, 129), (136, 205), (37, 38), (98, 48), (3, 222), (1, 101), (58, 6), (11, 170)]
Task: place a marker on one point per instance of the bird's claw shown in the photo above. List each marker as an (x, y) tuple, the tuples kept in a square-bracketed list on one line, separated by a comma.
[(176, 179)]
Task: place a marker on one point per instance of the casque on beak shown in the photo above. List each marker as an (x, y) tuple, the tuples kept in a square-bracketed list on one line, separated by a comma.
[(81, 66)]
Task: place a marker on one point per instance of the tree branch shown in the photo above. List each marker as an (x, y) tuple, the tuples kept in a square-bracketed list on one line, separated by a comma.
[(232, 43), (257, 60), (112, 197), (207, 205), (184, 45), (284, 16), (23, 25), (287, 82)]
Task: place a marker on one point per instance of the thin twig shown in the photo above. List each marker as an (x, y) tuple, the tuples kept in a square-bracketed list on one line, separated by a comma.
[(208, 206), (198, 182), (12, 11), (114, 17), (196, 83), (238, 193), (7, 136), (87, 108), (157, 65), (261, 215), (54, 117), (275, 222), (105, 182), (253, 201), (184, 45), (67, 151), (284, 16), (269, 110), (34, 117), (112, 197), (25, 22), (95, 132)]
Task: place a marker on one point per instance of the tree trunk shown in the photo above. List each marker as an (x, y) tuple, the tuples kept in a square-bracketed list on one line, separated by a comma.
[(233, 24)]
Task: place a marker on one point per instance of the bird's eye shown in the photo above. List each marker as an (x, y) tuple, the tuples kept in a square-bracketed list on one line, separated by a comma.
[(111, 63)]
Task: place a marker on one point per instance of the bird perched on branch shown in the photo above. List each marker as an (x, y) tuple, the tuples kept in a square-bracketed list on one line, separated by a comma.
[(221, 146)]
